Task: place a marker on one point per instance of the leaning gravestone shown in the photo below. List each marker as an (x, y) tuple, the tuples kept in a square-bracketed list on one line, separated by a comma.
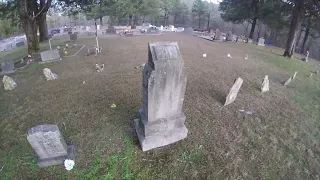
[(164, 82), (261, 41), (73, 37), (7, 67), (229, 36), (234, 91), (50, 55), (47, 142), (217, 35), (265, 84)]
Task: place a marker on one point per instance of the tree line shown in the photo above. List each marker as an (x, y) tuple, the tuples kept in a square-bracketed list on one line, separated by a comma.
[(299, 19)]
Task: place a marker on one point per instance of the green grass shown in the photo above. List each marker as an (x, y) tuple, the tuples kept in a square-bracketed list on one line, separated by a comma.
[(18, 53)]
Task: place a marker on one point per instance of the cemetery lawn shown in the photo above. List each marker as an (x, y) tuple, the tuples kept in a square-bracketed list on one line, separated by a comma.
[(279, 140)]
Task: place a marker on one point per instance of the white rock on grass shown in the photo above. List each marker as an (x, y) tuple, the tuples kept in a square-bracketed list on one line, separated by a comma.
[(99, 68), (49, 75), (204, 55), (229, 55), (68, 164), (8, 83)]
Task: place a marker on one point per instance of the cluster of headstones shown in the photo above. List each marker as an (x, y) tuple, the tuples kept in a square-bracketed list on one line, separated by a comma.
[(161, 120)]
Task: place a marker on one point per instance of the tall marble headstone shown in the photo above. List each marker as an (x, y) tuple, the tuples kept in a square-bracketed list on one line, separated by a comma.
[(47, 141), (164, 83), (217, 35), (261, 41), (229, 36)]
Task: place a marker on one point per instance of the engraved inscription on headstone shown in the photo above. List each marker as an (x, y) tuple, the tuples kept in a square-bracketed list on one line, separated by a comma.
[(47, 141), (50, 55), (164, 82)]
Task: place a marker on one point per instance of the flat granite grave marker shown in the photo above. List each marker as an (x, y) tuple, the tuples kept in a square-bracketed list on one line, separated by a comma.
[(233, 92), (47, 142), (7, 67), (164, 83), (50, 55)]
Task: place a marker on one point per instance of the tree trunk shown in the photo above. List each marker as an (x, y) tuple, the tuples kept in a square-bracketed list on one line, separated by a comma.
[(293, 29), (143, 19), (101, 22), (208, 22), (276, 37), (296, 49), (258, 32), (246, 30), (30, 28), (254, 22), (130, 20), (306, 35), (43, 28), (199, 22)]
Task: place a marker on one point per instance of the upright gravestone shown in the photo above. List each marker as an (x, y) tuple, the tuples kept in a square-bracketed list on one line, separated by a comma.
[(47, 142), (111, 30), (153, 30), (188, 30), (217, 35), (164, 82), (20, 44), (50, 55), (73, 37), (233, 92), (261, 41), (265, 84), (229, 36), (7, 67)]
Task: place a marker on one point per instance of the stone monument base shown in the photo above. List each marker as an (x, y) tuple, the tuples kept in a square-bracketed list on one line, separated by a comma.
[(57, 160), (161, 138)]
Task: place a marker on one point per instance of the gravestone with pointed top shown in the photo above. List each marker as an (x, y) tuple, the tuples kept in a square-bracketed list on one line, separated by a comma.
[(164, 83), (47, 141), (233, 92)]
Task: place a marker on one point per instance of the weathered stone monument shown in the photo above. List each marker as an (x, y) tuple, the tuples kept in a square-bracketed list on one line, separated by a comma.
[(233, 92), (111, 30), (7, 67), (217, 35), (265, 84), (229, 36), (47, 142), (261, 42), (73, 37), (50, 55), (164, 82), (153, 30)]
